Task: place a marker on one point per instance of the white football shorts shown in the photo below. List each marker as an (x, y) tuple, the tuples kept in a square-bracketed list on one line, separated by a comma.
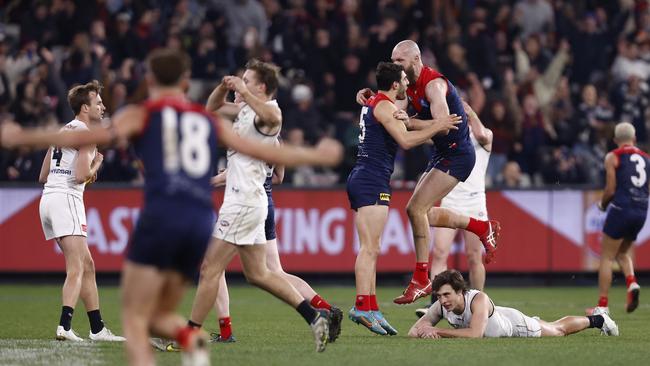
[(523, 326), (241, 225), (62, 214), (468, 204)]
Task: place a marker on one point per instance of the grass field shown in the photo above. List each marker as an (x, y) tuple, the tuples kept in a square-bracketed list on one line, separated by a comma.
[(270, 333)]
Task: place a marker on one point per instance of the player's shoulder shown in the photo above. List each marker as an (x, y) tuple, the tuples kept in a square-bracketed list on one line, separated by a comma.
[(75, 124)]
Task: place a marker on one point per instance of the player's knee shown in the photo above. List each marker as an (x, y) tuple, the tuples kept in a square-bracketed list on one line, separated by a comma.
[(474, 259), (89, 266), (440, 256), (208, 272), (255, 276), (370, 250), (414, 210)]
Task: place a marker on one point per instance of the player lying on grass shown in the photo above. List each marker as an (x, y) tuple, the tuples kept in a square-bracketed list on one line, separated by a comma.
[(472, 314)]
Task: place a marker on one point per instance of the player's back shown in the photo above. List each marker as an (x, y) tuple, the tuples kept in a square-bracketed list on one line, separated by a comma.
[(632, 172), (177, 147), (62, 175), (455, 139), (377, 148)]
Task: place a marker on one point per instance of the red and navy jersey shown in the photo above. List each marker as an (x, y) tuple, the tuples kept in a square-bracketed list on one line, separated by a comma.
[(377, 148), (632, 172), (177, 148), (455, 139)]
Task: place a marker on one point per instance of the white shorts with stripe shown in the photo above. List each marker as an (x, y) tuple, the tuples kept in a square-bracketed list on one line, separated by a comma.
[(522, 325), (62, 214), (241, 225), (468, 204)]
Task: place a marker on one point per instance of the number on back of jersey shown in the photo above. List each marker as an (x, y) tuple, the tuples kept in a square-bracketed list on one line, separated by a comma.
[(639, 163), (189, 150)]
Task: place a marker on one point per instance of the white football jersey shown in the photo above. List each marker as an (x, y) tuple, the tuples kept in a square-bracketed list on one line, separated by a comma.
[(497, 326), (245, 176), (475, 183), (61, 177)]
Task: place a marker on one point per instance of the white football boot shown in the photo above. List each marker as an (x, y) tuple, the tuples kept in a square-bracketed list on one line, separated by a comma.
[(609, 326), (67, 335), (105, 335)]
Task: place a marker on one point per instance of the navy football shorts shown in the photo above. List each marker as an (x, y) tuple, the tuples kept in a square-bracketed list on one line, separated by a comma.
[(365, 189), (457, 162), (269, 224), (624, 224), (168, 240)]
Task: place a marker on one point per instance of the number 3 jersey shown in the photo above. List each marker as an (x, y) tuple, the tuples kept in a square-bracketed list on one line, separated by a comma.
[(632, 170), (61, 177), (177, 148)]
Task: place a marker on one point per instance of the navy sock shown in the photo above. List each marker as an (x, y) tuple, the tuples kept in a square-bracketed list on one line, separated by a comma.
[(596, 321), (96, 322), (66, 317), (307, 312)]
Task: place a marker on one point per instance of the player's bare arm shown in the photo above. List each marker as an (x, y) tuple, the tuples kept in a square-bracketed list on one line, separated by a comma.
[(278, 175), (481, 307), (328, 152), (267, 114), (610, 180), (217, 102), (384, 112), (425, 326), (482, 134), (86, 168), (219, 180), (436, 91), (45, 167)]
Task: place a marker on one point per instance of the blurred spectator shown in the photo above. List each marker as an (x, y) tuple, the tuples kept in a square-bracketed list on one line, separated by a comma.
[(534, 16), (512, 177)]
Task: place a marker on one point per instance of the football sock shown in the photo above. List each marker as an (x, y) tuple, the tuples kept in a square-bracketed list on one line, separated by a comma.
[(307, 312), (320, 303), (362, 303), (183, 336), (96, 322), (602, 301), (225, 328), (629, 280), (192, 324), (421, 274), (66, 317), (596, 321), (373, 303), (478, 227)]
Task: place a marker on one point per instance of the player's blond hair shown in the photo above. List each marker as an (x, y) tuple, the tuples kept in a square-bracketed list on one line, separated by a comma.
[(624, 132)]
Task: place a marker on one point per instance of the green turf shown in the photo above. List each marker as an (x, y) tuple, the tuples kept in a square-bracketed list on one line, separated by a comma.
[(270, 333)]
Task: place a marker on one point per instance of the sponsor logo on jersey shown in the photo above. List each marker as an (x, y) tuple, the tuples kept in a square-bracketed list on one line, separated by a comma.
[(84, 228), (224, 223), (384, 196), (61, 171)]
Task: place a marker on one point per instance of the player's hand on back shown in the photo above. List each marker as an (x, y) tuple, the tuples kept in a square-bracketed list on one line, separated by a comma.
[(448, 123), (363, 95), (401, 115), (330, 151)]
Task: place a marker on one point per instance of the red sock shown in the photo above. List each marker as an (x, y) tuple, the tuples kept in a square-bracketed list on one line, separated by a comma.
[(421, 274), (373, 303), (363, 302), (602, 301), (183, 336), (629, 280), (225, 327), (318, 302), (478, 227)]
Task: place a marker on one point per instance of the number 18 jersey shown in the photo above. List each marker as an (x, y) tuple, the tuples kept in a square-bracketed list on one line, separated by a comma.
[(177, 148), (632, 173)]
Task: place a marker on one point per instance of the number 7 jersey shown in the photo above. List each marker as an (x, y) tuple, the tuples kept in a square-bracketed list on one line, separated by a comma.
[(632, 170), (177, 148)]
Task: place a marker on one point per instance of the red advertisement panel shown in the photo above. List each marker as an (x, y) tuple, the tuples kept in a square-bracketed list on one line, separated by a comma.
[(542, 231)]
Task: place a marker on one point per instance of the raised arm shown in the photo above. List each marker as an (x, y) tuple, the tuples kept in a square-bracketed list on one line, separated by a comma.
[(217, 102), (611, 161), (384, 113), (267, 114)]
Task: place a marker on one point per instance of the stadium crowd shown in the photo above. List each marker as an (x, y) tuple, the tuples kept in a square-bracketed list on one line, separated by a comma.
[(549, 77)]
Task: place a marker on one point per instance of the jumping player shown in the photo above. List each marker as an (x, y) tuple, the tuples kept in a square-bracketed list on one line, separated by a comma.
[(240, 226), (368, 185), (222, 305), (65, 173), (432, 96), (626, 193), (176, 141), (472, 314)]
